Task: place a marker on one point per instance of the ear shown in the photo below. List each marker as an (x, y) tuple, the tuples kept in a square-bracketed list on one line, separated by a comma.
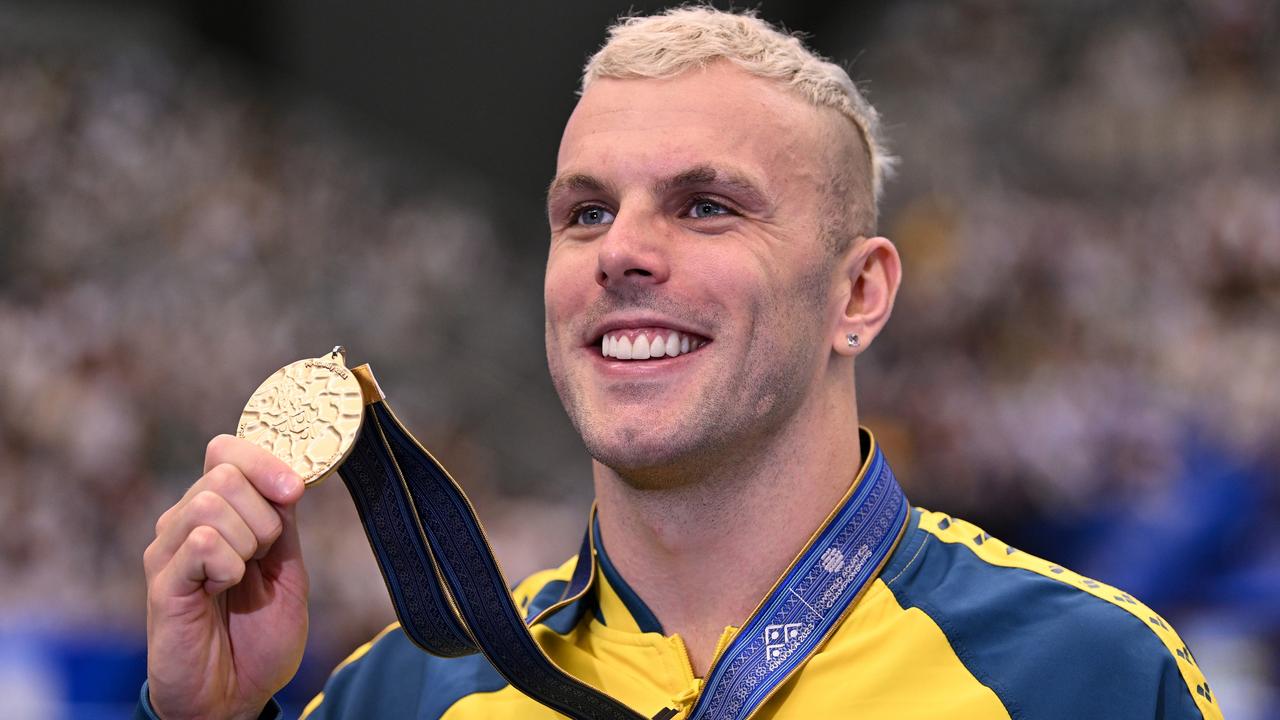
[(869, 275)]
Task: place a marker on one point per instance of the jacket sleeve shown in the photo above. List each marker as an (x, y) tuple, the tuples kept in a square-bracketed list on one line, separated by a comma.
[(144, 711)]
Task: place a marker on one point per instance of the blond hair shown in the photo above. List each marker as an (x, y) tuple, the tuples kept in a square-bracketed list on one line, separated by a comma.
[(688, 37)]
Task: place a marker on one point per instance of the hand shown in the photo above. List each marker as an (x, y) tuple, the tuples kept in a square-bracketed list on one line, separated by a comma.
[(226, 588)]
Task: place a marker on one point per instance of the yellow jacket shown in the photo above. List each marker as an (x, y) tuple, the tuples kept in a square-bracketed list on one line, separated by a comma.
[(957, 625)]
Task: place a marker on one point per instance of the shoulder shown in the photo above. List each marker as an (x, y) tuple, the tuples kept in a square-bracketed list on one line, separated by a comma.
[(389, 676), (358, 685), (1042, 637)]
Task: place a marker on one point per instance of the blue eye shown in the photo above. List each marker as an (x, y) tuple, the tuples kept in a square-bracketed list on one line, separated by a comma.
[(706, 208), (593, 215)]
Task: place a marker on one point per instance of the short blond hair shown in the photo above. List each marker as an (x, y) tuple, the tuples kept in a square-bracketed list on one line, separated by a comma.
[(687, 37)]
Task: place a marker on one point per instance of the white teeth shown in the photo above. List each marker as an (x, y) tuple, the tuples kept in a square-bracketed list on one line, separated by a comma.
[(623, 347)]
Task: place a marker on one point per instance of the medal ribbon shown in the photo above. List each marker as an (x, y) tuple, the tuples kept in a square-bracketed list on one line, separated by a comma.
[(452, 599), (805, 607), (448, 592)]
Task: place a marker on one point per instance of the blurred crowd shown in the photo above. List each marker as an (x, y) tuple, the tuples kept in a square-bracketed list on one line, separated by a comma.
[(168, 240), (1086, 352), (1084, 356)]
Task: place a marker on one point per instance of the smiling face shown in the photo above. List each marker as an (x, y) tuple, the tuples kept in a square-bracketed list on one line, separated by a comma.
[(688, 292)]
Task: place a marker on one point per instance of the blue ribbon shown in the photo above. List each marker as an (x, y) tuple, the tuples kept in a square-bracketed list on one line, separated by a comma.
[(430, 547), (805, 607)]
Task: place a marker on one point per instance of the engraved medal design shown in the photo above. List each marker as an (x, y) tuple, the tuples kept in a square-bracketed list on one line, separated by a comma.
[(308, 413)]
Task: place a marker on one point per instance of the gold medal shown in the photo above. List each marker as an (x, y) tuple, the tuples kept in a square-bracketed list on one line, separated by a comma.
[(308, 414)]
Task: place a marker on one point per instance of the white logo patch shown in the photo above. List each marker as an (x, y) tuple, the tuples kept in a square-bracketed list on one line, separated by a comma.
[(832, 560), (779, 638)]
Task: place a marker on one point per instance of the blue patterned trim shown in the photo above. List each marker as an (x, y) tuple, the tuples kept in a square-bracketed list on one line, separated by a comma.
[(805, 607)]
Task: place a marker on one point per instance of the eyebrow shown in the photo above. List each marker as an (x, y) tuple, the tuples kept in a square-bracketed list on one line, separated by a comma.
[(707, 175), (578, 182), (696, 176)]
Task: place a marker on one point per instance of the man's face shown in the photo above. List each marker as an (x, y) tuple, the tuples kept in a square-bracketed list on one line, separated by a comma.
[(686, 219)]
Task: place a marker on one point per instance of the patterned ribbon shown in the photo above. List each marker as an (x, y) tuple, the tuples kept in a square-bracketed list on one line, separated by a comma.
[(447, 589), (805, 607), (452, 599)]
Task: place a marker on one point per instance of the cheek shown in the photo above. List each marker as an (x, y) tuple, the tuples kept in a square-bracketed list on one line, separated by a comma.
[(790, 311), (731, 277), (564, 289)]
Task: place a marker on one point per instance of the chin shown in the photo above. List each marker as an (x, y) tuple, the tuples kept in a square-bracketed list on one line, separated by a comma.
[(630, 447), (650, 458)]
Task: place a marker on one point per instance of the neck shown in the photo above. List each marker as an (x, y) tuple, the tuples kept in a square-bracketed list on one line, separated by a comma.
[(705, 552)]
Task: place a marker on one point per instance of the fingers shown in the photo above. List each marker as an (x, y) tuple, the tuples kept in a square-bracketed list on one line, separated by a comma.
[(234, 513), (226, 501), (205, 562), (270, 475), (260, 516), (233, 530)]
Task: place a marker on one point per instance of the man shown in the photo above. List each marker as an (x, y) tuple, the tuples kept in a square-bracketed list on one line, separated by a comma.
[(712, 276)]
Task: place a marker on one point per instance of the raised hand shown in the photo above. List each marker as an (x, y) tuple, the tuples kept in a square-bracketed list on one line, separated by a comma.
[(226, 588)]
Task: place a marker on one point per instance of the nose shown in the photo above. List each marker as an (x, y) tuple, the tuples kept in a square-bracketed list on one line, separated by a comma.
[(632, 253)]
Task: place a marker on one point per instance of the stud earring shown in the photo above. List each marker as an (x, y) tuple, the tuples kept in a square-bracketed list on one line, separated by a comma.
[(853, 340)]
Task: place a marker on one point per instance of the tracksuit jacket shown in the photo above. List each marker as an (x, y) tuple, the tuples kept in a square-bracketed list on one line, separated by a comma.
[(957, 625)]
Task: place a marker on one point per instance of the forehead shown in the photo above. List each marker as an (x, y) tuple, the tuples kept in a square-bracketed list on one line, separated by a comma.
[(719, 115)]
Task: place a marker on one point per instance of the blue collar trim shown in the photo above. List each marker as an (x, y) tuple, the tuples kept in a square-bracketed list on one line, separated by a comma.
[(640, 612)]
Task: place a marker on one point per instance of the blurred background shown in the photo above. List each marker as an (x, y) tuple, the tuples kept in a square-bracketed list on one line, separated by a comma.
[(1084, 358)]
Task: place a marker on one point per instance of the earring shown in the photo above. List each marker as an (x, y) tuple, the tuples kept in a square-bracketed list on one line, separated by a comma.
[(853, 340)]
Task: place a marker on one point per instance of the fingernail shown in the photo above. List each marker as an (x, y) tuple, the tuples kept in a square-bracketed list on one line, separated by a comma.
[(287, 482)]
